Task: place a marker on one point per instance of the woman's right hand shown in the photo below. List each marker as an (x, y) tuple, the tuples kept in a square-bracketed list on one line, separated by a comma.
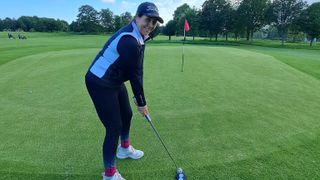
[(143, 110)]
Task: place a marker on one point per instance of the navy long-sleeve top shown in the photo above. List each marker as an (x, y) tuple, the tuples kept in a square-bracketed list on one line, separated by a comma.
[(121, 59)]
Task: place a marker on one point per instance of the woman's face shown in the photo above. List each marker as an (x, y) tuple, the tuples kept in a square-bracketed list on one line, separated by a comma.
[(146, 24)]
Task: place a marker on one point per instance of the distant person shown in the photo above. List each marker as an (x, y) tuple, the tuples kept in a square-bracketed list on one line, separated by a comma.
[(10, 36), (120, 60), (22, 36)]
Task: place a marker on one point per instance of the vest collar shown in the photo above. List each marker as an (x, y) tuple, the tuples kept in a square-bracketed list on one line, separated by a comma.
[(137, 32)]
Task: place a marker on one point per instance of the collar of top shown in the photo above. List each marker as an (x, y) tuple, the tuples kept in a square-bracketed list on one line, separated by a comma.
[(137, 32)]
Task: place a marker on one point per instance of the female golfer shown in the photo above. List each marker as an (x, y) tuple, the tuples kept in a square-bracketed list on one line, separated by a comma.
[(120, 60)]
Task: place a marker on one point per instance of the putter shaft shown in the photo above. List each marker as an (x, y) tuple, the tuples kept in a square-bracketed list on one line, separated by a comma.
[(156, 132)]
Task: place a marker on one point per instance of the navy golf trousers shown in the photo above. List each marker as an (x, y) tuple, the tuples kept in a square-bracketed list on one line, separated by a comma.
[(114, 110)]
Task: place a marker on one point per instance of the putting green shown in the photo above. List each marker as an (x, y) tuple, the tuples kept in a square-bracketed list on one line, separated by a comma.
[(232, 113)]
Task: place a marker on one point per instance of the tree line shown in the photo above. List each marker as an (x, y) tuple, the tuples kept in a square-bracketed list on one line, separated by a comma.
[(244, 18), (238, 19), (33, 23), (88, 20)]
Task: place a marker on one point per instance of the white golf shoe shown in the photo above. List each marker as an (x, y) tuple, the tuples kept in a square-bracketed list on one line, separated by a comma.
[(116, 176), (129, 152)]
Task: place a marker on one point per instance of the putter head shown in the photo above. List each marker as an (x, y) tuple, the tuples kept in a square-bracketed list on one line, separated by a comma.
[(180, 175)]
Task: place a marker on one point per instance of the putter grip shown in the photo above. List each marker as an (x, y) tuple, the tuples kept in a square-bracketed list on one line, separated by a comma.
[(148, 118)]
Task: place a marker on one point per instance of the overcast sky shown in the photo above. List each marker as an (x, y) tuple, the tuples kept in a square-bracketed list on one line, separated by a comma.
[(68, 9)]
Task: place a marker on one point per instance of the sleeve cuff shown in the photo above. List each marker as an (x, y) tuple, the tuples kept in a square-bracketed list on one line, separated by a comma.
[(141, 101)]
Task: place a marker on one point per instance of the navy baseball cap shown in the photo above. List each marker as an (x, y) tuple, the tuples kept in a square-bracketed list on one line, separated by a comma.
[(149, 9)]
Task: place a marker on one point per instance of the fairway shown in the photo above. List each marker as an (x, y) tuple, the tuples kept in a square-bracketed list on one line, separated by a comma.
[(234, 113)]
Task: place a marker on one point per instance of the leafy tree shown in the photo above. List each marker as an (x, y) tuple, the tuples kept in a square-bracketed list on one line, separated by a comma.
[(252, 15), (213, 17), (1, 25), (27, 22), (117, 22), (62, 25), (9, 24), (88, 19), (309, 22), (126, 18), (107, 20), (170, 29), (74, 26), (229, 20), (239, 27), (284, 13)]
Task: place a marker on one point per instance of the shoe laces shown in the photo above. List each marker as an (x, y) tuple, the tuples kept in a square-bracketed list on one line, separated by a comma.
[(132, 149), (118, 175)]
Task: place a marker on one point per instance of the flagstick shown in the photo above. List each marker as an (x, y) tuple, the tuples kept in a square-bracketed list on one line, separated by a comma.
[(184, 38)]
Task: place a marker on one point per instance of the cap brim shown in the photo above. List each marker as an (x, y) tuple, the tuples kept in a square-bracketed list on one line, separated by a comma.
[(160, 19), (155, 16)]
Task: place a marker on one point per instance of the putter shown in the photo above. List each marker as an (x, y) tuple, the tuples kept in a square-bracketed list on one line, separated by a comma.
[(180, 175)]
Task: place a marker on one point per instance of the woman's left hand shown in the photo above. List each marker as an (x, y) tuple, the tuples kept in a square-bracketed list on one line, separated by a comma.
[(143, 110)]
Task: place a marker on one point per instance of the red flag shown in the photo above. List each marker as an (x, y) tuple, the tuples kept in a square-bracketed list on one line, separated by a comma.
[(186, 25)]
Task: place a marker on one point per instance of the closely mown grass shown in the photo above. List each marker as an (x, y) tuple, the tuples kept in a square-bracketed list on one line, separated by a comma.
[(234, 42), (236, 112), (43, 42)]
